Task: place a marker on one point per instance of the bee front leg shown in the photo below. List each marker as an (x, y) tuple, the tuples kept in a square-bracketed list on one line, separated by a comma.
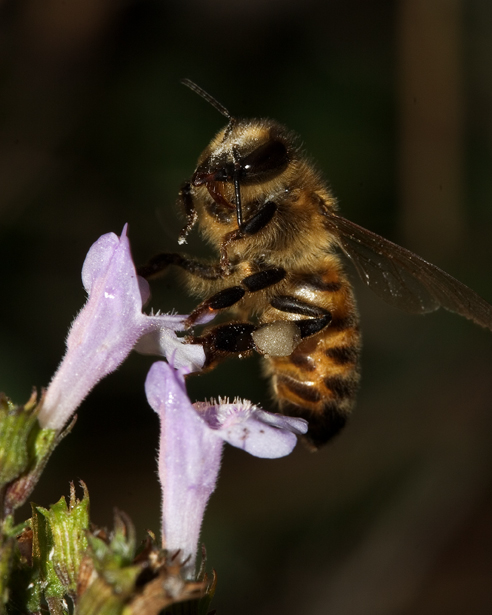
[(252, 226), (158, 264), (186, 201)]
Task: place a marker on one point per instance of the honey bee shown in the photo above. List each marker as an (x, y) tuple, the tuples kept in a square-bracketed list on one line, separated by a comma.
[(274, 223)]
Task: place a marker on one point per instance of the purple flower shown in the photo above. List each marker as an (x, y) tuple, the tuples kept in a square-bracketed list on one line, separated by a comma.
[(108, 327), (192, 438)]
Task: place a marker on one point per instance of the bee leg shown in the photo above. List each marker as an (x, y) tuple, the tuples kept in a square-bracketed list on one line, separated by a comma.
[(233, 338), (231, 295), (186, 201), (224, 258), (156, 266), (252, 226), (319, 318), (261, 218), (224, 340), (220, 301)]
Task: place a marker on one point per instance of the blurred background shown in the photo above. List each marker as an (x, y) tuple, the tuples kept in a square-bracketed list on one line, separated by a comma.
[(393, 101)]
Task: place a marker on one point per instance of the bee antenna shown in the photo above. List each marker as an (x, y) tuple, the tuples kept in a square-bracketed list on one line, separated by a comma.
[(209, 98), (221, 109)]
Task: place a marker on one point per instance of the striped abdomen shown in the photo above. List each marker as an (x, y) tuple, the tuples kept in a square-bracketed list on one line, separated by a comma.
[(319, 380)]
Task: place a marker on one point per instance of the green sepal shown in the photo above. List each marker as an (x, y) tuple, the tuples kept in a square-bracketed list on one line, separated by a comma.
[(16, 424), (143, 583), (204, 602), (24, 451), (121, 548), (7, 527), (112, 561), (197, 606), (100, 599), (60, 542)]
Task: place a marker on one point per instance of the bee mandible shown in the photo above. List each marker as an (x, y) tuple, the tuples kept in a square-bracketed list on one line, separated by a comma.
[(274, 223)]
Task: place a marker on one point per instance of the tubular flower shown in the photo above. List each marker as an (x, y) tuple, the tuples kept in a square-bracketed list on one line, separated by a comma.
[(108, 327), (191, 442)]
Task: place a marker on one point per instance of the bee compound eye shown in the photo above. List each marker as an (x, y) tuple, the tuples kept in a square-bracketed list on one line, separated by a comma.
[(265, 162)]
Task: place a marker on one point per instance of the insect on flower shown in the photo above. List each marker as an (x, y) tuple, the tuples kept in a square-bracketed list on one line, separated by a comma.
[(266, 210)]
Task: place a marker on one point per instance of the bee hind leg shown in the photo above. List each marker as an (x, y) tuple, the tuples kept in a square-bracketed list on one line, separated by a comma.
[(224, 340), (319, 318)]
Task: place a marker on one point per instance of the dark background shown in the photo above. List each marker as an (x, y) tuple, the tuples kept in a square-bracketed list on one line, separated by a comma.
[(393, 101)]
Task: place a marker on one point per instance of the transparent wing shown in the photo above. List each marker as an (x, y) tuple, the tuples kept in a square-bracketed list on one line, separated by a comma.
[(402, 278)]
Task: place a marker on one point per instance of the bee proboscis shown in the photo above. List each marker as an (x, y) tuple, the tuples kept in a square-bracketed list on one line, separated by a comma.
[(267, 211)]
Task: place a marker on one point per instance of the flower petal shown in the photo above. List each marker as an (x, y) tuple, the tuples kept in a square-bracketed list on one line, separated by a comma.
[(252, 429), (107, 328), (164, 342), (259, 439), (189, 461)]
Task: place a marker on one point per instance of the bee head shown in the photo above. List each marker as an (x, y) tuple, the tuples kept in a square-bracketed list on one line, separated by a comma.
[(244, 153), (251, 152)]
